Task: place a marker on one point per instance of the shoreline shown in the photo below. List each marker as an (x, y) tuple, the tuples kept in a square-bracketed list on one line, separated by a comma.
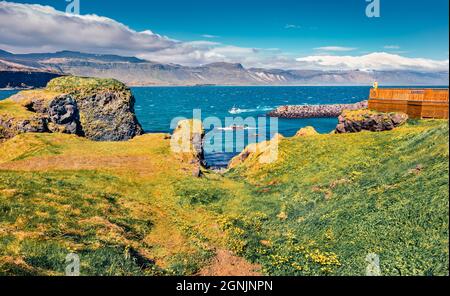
[(244, 85), (13, 88), (292, 85)]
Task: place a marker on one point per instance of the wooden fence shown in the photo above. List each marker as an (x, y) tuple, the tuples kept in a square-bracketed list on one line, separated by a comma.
[(417, 103)]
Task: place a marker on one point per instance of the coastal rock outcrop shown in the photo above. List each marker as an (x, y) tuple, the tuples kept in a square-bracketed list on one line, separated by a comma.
[(315, 111), (306, 132), (109, 116), (64, 115), (360, 120), (23, 77), (187, 143), (10, 127), (264, 152), (98, 109)]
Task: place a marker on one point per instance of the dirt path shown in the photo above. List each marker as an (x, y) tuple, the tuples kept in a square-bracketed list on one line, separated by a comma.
[(227, 264)]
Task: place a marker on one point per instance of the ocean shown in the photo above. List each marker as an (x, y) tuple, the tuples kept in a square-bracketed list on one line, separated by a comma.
[(157, 107)]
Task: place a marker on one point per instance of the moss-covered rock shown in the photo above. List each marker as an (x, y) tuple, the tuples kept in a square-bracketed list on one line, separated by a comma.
[(99, 109), (187, 143), (15, 119), (262, 153), (306, 132)]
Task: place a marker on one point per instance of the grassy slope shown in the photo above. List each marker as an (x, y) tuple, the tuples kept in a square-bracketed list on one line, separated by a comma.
[(9, 109), (328, 202), (112, 203), (340, 197)]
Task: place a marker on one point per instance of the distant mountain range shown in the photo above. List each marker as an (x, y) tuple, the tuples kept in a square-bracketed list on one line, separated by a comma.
[(138, 72)]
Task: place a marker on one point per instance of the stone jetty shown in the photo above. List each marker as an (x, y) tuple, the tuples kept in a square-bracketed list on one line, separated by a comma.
[(315, 111)]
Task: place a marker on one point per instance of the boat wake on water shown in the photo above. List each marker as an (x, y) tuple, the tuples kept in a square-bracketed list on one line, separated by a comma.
[(236, 128), (236, 110)]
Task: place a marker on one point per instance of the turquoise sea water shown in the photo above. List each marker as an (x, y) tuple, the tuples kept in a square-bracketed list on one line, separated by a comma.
[(6, 93), (156, 107)]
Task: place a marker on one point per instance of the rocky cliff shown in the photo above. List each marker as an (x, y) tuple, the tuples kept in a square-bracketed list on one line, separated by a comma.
[(25, 79), (20, 74), (98, 109)]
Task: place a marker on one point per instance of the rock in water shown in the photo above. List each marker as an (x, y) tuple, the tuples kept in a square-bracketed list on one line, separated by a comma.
[(360, 120), (98, 109)]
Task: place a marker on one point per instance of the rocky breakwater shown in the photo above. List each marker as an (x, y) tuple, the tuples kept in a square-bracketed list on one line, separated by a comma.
[(315, 111), (367, 120), (98, 109)]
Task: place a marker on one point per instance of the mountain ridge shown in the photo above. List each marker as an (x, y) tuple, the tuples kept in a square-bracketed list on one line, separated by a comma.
[(138, 72)]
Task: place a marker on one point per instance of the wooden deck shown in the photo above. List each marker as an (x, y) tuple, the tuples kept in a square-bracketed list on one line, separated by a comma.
[(417, 103)]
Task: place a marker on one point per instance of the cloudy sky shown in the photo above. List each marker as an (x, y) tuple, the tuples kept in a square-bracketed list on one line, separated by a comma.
[(409, 34)]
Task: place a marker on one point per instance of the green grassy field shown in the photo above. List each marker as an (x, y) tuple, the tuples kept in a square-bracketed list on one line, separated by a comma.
[(333, 199), (133, 208)]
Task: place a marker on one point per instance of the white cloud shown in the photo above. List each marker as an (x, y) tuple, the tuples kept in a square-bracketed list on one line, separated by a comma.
[(334, 48), (373, 61), (202, 44), (392, 47), (198, 53), (291, 26), (209, 36), (28, 28)]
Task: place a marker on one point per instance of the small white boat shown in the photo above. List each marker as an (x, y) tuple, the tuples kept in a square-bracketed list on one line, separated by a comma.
[(234, 110)]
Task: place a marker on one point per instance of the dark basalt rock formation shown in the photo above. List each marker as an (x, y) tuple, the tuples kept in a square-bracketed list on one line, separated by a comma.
[(109, 116), (64, 114), (98, 109), (315, 111), (366, 120), (11, 127)]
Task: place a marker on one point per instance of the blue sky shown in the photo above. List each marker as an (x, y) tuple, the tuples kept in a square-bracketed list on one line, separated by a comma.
[(283, 28), (418, 27)]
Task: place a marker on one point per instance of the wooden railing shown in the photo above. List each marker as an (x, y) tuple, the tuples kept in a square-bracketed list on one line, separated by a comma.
[(410, 94), (417, 103)]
